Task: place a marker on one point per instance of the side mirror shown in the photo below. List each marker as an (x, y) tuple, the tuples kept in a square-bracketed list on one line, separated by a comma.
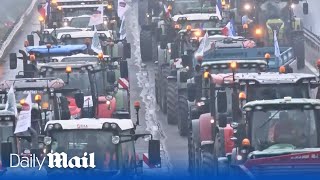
[(191, 91), (154, 153), (124, 72), (6, 150), (126, 50), (30, 39), (111, 77), (223, 120), (222, 102), (79, 97), (163, 42), (13, 61), (305, 8)]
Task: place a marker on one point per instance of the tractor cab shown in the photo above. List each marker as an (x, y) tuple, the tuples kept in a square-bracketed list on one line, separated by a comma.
[(83, 21), (273, 137), (69, 11), (109, 45), (119, 66), (42, 54), (233, 90), (102, 97), (45, 94), (111, 140)]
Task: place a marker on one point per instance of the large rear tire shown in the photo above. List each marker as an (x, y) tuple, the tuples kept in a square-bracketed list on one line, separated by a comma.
[(208, 164), (164, 88), (299, 50), (183, 117), (156, 87), (172, 101), (146, 45)]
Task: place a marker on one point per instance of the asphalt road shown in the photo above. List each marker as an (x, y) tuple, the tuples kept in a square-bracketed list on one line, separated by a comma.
[(173, 147)]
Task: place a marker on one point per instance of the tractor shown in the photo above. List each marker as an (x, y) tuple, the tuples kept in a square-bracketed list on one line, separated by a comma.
[(261, 19), (226, 95), (275, 138)]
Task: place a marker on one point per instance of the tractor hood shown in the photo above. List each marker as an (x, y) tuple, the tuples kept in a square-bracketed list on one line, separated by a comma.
[(283, 160), (280, 149)]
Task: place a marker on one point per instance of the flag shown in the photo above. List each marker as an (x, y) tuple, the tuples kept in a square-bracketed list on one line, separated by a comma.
[(47, 7), (276, 45), (219, 9), (229, 30), (122, 30), (122, 8), (11, 102), (204, 46), (167, 11), (42, 11), (97, 17), (24, 118), (96, 45)]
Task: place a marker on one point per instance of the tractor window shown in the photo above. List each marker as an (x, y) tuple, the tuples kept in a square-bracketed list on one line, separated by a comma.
[(279, 91), (128, 154), (76, 142), (6, 130), (199, 24), (294, 127), (76, 41), (77, 12), (80, 22), (22, 94)]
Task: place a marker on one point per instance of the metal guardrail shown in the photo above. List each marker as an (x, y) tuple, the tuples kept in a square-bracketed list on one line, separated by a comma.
[(312, 40)]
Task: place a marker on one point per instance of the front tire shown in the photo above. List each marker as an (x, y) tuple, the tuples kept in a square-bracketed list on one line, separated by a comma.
[(183, 117), (172, 101)]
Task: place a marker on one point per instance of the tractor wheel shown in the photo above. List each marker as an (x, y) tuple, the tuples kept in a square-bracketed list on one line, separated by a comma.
[(299, 50), (172, 101), (142, 10), (183, 118), (208, 164), (156, 87), (191, 151), (164, 88), (146, 46)]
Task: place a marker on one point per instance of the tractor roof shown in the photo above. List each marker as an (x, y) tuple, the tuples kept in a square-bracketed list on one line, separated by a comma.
[(195, 16), (87, 123), (63, 65), (24, 83), (85, 34), (81, 6), (79, 57), (263, 78), (69, 49), (65, 29), (77, 1), (242, 63), (286, 101)]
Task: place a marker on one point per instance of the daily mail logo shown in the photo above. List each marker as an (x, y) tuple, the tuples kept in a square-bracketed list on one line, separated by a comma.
[(55, 160)]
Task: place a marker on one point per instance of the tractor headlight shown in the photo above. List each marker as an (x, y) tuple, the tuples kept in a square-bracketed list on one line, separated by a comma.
[(47, 140), (115, 139)]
